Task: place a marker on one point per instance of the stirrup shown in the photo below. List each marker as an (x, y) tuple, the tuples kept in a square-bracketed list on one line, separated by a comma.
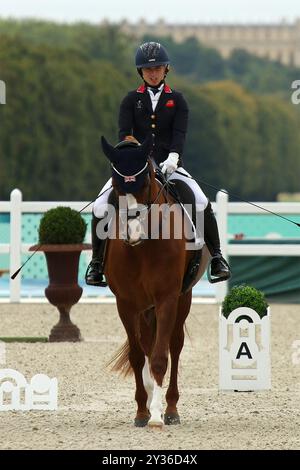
[(215, 279), (99, 283)]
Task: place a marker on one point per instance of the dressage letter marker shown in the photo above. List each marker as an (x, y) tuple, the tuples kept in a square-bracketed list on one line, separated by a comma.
[(244, 351)]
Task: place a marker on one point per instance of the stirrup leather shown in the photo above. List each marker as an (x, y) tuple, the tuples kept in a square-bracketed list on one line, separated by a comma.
[(191, 271)]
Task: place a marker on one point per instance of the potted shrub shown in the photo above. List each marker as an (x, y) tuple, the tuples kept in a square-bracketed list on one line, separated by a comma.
[(61, 234), (245, 296), (244, 340)]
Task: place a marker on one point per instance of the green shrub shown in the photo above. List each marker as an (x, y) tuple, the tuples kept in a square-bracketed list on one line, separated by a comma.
[(62, 225), (245, 296)]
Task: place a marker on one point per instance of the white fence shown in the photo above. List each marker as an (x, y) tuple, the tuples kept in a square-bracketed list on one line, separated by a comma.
[(16, 206)]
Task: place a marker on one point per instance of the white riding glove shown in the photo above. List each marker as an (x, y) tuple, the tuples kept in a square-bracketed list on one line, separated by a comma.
[(170, 164)]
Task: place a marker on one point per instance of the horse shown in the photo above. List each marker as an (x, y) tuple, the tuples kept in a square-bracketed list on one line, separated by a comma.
[(146, 274)]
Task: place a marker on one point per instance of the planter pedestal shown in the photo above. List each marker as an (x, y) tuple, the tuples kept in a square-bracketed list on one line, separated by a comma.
[(63, 290)]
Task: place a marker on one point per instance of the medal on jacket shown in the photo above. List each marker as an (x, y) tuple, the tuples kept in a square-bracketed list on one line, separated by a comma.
[(139, 104)]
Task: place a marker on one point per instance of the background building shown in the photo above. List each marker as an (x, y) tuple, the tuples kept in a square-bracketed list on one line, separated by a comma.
[(273, 41)]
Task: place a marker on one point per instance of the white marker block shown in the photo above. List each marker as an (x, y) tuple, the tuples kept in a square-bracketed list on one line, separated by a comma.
[(244, 350), (17, 394)]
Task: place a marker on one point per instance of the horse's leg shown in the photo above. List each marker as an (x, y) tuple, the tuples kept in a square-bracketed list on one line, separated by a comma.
[(136, 358), (147, 331), (176, 344), (165, 317)]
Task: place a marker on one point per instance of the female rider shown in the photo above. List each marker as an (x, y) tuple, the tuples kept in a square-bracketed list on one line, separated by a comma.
[(155, 107)]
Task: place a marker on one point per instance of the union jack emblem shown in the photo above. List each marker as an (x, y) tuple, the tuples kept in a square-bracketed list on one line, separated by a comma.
[(129, 179)]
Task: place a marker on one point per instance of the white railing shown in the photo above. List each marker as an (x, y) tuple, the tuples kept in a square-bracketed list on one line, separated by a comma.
[(223, 208), (16, 206), (15, 248)]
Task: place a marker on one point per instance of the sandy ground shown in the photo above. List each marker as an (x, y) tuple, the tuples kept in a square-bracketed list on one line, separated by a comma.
[(97, 408)]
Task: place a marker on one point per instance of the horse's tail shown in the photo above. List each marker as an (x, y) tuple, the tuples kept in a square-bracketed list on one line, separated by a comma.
[(120, 361), (146, 332)]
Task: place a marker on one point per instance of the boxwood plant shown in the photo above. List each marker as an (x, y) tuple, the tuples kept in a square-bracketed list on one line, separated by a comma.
[(62, 225), (245, 296)]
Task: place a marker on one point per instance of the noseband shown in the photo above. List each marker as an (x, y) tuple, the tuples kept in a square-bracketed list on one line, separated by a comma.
[(129, 178), (142, 213)]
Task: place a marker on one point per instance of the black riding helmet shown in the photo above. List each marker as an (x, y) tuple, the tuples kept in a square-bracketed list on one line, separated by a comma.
[(151, 54)]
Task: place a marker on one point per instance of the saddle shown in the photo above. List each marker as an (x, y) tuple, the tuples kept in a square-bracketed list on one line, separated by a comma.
[(182, 193)]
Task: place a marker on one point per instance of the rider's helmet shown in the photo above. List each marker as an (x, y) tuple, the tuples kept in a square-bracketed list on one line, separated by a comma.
[(151, 54)]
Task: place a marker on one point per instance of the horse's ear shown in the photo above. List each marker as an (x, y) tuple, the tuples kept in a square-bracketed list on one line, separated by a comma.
[(146, 146), (108, 149)]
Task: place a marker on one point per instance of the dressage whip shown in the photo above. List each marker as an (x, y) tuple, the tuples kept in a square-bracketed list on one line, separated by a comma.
[(198, 181), (251, 203), (239, 198), (41, 244)]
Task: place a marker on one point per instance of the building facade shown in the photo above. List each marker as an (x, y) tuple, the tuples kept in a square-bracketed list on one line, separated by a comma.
[(279, 42)]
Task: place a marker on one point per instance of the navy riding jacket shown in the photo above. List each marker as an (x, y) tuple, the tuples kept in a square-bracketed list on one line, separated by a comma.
[(168, 123)]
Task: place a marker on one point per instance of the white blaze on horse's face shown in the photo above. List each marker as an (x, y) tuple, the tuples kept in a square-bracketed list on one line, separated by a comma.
[(135, 229)]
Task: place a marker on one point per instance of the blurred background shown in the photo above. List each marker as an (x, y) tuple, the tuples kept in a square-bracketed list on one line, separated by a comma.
[(67, 65)]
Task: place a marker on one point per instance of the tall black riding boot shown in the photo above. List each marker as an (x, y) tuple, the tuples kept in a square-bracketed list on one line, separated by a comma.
[(219, 268), (94, 272)]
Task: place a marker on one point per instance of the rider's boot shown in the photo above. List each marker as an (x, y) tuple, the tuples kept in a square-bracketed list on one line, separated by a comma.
[(94, 272), (219, 268)]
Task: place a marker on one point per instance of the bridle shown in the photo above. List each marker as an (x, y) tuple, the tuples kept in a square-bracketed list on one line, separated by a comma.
[(144, 211), (129, 178)]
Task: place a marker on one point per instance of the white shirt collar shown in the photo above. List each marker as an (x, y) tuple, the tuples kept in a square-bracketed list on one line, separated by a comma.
[(159, 90), (155, 98)]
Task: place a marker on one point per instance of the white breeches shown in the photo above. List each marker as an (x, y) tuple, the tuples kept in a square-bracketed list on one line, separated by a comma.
[(200, 197), (100, 205)]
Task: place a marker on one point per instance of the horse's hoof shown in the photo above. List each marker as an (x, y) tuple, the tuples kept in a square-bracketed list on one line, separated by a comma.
[(156, 424), (156, 421), (171, 418), (141, 422)]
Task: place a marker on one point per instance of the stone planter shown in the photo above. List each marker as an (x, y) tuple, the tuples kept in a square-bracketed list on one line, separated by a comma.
[(63, 290)]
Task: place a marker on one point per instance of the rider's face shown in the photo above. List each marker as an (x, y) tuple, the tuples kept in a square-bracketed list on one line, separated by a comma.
[(154, 75)]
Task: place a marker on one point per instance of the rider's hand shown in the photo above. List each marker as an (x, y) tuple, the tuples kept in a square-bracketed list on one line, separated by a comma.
[(170, 164), (130, 138)]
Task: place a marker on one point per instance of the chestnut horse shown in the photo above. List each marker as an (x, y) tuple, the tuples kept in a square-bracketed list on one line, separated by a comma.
[(146, 276)]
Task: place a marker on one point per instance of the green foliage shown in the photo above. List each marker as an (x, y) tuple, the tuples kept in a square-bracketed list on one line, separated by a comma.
[(64, 85), (244, 296), (62, 225), (193, 60), (58, 104), (200, 64)]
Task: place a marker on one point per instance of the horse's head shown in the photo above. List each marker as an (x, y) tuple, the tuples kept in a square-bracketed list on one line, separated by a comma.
[(132, 173)]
